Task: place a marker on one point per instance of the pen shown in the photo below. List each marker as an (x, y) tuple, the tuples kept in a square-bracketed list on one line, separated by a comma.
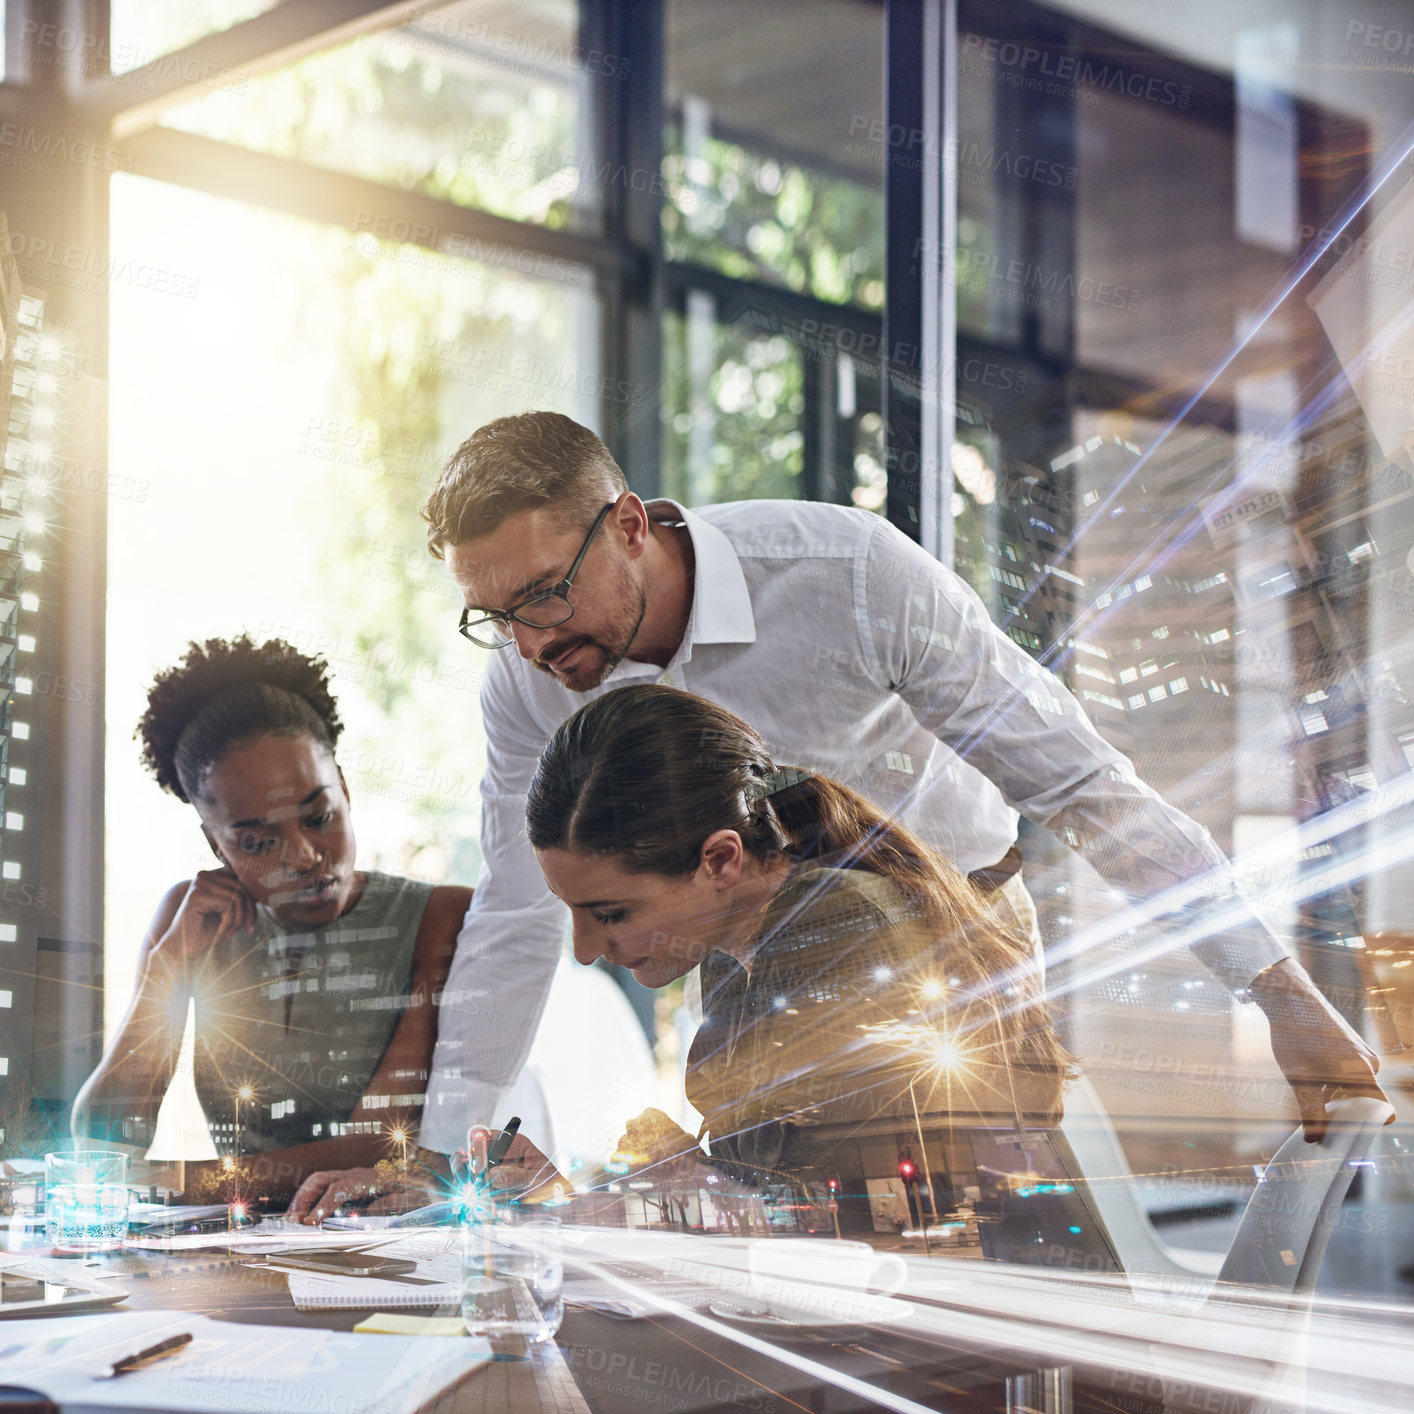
[(497, 1152), (483, 1153), (141, 1357)]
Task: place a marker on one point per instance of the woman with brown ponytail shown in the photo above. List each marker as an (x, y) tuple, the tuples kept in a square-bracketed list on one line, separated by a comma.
[(313, 980), (847, 970)]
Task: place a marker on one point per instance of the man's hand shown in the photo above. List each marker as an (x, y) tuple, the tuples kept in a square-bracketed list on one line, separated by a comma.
[(1320, 1056), (525, 1174)]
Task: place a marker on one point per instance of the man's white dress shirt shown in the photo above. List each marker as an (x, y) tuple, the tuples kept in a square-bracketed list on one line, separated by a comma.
[(856, 654)]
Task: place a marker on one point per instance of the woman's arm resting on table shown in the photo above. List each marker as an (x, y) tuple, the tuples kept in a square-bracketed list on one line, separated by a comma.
[(393, 1097), (137, 1066)]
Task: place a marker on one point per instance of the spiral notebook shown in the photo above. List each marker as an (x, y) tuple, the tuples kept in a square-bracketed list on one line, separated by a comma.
[(438, 1261)]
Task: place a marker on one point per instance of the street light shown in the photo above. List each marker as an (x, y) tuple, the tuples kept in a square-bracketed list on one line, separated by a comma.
[(399, 1136), (246, 1093)]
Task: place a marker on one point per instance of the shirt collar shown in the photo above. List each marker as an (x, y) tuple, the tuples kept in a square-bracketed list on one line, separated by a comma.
[(721, 603)]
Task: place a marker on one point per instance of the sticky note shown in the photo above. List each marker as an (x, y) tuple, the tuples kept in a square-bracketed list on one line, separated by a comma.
[(390, 1323)]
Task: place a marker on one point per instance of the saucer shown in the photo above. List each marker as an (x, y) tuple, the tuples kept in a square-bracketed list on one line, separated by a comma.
[(811, 1316)]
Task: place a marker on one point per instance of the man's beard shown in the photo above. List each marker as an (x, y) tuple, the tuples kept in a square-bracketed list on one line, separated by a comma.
[(601, 655)]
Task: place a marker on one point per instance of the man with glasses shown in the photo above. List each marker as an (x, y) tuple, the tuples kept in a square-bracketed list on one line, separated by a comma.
[(856, 654)]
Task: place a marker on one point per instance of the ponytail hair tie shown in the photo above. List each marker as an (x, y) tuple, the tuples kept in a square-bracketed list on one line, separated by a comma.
[(782, 778)]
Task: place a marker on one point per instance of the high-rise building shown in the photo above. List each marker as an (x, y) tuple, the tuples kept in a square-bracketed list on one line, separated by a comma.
[(51, 981), (1205, 601)]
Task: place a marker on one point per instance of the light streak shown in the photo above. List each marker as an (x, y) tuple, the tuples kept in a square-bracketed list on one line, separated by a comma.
[(1151, 1331)]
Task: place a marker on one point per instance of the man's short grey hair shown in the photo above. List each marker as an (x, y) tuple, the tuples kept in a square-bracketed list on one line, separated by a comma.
[(520, 463)]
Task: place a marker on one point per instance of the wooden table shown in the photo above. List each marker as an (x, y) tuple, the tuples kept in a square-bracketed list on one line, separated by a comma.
[(660, 1363)]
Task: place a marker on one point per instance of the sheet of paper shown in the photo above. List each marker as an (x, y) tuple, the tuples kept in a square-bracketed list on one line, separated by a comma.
[(257, 1369), (270, 1236)]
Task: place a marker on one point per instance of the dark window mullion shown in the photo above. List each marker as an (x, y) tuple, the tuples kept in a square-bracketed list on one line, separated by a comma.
[(630, 143), (907, 167)]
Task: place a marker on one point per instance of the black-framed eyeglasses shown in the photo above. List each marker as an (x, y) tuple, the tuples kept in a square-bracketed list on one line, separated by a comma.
[(546, 608)]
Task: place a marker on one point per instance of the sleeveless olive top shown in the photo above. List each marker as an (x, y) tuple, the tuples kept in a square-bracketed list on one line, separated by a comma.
[(304, 1018)]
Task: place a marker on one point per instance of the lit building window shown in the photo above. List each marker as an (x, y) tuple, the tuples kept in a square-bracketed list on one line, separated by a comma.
[(29, 601), (1138, 700), (8, 933), (1157, 694), (14, 820), (24, 686), (18, 775), (10, 869), (32, 561), (1128, 674), (1178, 685), (20, 731), (26, 642), (4, 1065), (1314, 721), (7, 999)]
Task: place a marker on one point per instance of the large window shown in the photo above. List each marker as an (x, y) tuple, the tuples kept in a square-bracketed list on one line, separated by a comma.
[(775, 183), (281, 408), (1105, 303), (1181, 488), (460, 104)]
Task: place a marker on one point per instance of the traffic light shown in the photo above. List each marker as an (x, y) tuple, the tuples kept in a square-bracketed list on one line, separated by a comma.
[(833, 1184), (906, 1170)]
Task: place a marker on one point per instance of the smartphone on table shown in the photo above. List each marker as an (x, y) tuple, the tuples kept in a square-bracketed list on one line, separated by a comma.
[(344, 1264)]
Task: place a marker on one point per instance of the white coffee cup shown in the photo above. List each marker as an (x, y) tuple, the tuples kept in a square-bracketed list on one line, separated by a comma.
[(822, 1278)]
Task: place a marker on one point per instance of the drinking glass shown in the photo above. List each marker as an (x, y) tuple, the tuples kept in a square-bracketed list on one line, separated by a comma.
[(512, 1271), (86, 1203)]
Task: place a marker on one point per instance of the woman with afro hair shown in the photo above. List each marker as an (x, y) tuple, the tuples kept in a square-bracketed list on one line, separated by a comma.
[(313, 980)]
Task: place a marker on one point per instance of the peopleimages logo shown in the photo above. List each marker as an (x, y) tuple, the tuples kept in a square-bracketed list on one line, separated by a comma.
[(1377, 45), (1064, 74), (30, 148), (969, 162)]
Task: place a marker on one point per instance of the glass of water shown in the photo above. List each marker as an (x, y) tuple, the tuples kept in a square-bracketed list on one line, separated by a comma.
[(512, 1271), (86, 1199)]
